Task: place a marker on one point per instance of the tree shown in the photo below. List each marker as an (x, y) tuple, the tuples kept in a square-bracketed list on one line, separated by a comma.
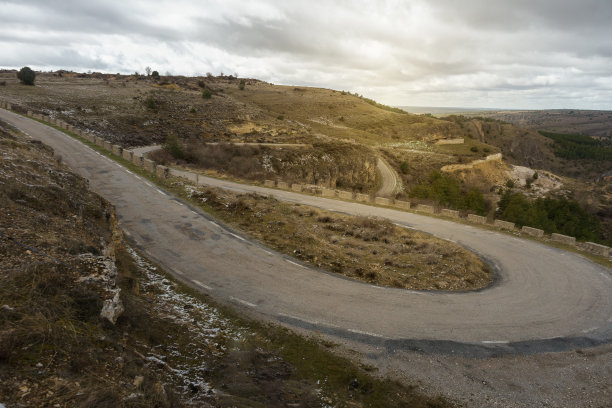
[(148, 70), (155, 75), (26, 76)]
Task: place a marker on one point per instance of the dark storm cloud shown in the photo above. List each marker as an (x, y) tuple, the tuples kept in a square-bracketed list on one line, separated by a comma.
[(440, 52)]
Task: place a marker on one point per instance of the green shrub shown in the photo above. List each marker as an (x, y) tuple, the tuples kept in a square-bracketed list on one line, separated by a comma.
[(550, 214), (206, 94), (280, 117), (474, 149), (174, 147), (242, 84), (447, 191), (201, 84), (510, 183), (535, 175), (405, 167), (26, 76)]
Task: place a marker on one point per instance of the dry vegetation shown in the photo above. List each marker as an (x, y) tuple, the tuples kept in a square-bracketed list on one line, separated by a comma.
[(62, 255), (334, 165), (368, 249)]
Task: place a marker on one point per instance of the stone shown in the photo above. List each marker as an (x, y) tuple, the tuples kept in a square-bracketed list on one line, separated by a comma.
[(564, 239), (504, 225), (328, 192), (477, 219), (112, 308), (363, 198), (283, 185), (402, 204), (534, 232), (382, 201), (597, 249), (346, 195), (425, 208), (449, 213), (296, 187), (269, 183)]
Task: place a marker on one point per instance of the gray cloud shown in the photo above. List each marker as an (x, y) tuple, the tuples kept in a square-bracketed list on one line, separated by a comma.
[(523, 54)]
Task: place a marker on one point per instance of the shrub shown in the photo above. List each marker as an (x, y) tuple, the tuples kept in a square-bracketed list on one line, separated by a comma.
[(405, 167), (535, 175), (206, 94), (280, 117), (26, 76), (474, 149), (510, 183), (155, 75), (201, 84), (174, 147), (242, 84)]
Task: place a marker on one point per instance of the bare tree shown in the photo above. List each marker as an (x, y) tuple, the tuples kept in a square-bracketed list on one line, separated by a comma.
[(148, 70)]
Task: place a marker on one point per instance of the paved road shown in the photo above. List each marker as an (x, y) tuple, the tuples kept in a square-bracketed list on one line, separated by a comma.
[(544, 298), (390, 183)]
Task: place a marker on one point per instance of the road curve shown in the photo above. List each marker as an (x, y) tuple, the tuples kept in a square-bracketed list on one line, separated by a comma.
[(390, 183), (544, 299)]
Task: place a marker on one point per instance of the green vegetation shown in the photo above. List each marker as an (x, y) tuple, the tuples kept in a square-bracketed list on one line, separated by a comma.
[(405, 167), (550, 214), (447, 191), (242, 84), (26, 76), (155, 75), (206, 94), (174, 146), (578, 147)]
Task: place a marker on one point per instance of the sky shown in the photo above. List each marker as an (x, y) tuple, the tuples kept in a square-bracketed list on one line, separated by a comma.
[(518, 54)]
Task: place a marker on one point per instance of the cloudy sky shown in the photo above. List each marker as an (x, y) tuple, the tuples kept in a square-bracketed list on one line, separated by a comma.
[(532, 54)]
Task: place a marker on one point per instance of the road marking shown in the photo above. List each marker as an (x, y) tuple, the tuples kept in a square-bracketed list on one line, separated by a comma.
[(197, 282), (148, 184), (495, 342), (194, 212), (313, 322), (244, 302), (232, 234), (267, 252), (604, 275), (365, 333), (217, 225), (161, 192), (592, 329), (294, 263), (175, 270), (180, 203)]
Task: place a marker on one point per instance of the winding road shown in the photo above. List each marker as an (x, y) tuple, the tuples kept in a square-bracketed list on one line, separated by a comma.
[(544, 299)]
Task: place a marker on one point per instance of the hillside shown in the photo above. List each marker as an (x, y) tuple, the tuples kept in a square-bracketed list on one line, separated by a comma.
[(252, 130), (583, 122), (85, 321)]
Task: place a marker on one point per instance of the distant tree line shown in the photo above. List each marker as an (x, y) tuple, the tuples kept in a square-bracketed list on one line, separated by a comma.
[(577, 147), (447, 191), (558, 215)]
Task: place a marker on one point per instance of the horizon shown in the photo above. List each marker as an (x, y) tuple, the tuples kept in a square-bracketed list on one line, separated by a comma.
[(535, 55)]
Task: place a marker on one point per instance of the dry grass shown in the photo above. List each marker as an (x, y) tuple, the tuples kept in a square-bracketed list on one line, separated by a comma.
[(368, 249)]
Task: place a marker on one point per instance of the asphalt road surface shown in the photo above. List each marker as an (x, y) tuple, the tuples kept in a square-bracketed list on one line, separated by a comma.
[(543, 299), (390, 184)]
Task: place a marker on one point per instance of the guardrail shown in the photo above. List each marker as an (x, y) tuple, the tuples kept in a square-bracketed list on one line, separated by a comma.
[(164, 172)]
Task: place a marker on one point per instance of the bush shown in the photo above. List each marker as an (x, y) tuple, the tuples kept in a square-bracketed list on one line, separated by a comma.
[(405, 167), (510, 183), (206, 94), (550, 214), (155, 75), (201, 84), (174, 147), (474, 149), (242, 84), (26, 76), (447, 191), (280, 117), (535, 175)]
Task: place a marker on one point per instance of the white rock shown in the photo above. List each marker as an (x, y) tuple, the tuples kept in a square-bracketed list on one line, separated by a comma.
[(112, 308)]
